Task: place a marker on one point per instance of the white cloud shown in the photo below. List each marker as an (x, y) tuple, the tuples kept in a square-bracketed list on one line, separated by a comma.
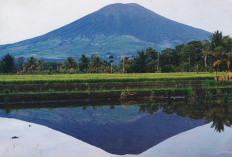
[(22, 19)]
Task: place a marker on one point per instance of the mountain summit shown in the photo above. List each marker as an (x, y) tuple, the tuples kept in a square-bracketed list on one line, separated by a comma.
[(115, 29)]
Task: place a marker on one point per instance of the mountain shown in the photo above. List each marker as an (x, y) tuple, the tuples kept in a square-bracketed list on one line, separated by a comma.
[(113, 30)]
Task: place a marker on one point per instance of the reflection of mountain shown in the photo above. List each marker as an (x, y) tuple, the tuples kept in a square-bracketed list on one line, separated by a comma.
[(218, 111), (118, 131)]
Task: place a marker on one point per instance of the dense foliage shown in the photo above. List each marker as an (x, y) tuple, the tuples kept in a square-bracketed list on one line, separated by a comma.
[(7, 64), (195, 56)]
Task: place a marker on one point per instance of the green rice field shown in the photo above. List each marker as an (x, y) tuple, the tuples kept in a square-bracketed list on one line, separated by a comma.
[(103, 77), (14, 88)]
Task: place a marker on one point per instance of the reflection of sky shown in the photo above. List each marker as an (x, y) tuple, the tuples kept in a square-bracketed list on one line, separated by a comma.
[(202, 141), (122, 130), (199, 142), (124, 127)]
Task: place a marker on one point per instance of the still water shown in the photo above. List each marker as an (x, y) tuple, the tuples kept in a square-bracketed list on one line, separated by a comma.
[(137, 128)]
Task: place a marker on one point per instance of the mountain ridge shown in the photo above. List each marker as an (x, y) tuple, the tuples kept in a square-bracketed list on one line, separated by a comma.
[(115, 29)]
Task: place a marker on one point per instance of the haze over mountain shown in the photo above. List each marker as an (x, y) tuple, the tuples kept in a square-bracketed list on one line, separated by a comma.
[(115, 29)]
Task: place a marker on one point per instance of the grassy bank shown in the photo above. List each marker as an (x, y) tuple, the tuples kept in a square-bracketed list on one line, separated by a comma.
[(103, 77), (108, 86)]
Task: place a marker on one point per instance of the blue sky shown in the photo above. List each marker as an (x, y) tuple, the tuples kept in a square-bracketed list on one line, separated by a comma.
[(23, 19)]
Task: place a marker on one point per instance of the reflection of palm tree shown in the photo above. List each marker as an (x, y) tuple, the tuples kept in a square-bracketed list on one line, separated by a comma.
[(217, 121), (149, 108), (219, 116), (219, 112)]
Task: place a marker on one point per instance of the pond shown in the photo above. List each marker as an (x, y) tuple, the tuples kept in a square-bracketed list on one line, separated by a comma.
[(137, 128)]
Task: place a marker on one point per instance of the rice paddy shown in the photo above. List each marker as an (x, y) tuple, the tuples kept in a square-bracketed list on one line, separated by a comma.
[(14, 88), (102, 77)]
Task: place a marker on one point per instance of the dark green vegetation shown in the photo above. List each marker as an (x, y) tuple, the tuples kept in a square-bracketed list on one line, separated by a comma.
[(128, 127), (118, 29), (7, 64), (107, 87), (216, 110), (209, 105), (213, 55), (195, 56)]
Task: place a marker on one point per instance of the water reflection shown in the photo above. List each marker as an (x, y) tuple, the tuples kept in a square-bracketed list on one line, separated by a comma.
[(201, 141), (218, 112), (127, 128)]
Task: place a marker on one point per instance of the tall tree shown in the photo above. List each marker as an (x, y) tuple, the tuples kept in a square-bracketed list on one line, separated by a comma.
[(217, 49), (167, 60), (70, 63), (227, 44), (84, 64), (40, 65), (216, 39), (123, 64), (139, 63), (20, 61), (31, 65), (8, 64), (111, 63), (152, 60), (205, 51), (97, 64), (186, 54)]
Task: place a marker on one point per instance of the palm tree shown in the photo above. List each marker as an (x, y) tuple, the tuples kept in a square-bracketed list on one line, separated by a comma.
[(95, 63), (123, 64), (227, 44), (30, 65), (70, 63), (216, 39), (40, 65), (222, 50), (216, 49), (111, 63), (218, 53), (20, 61), (84, 63), (205, 51)]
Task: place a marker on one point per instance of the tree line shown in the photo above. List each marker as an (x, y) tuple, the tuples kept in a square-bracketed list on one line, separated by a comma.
[(195, 56)]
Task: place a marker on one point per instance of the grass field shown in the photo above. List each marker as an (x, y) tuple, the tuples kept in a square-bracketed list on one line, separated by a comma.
[(116, 86), (104, 77)]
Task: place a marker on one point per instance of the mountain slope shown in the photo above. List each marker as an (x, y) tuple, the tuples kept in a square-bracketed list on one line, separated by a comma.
[(130, 19), (115, 29)]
